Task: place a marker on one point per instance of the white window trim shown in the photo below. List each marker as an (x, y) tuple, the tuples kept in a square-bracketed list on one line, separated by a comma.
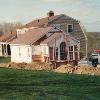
[(67, 27)]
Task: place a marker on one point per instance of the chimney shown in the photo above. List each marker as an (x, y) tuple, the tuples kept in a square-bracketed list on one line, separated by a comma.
[(38, 20), (11, 32), (50, 14)]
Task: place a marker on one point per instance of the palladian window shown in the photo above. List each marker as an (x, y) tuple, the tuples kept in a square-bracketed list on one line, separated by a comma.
[(63, 53)]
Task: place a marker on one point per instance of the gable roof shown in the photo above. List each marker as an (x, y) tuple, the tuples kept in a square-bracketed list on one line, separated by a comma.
[(40, 22), (31, 36), (52, 38), (44, 21), (7, 37), (55, 36)]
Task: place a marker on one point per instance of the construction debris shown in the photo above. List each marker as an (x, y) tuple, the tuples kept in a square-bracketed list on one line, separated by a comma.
[(31, 66), (78, 70), (62, 69)]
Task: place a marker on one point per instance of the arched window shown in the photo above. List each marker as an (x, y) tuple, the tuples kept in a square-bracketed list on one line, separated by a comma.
[(63, 53)]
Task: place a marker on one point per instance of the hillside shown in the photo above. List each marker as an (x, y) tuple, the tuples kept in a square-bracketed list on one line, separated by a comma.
[(93, 41), (42, 85)]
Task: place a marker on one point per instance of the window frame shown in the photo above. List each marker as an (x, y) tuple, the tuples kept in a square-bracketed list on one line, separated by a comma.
[(71, 55), (68, 28), (63, 52)]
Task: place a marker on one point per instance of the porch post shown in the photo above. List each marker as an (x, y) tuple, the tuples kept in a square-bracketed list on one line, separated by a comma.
[(3, 50), (6, 50), (74, 53), (54, 55), (68, 57), (78, 51), (59, 53)]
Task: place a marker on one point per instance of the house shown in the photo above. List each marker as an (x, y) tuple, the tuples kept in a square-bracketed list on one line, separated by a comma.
[(45, 44), (65, 23), (6, 38), (4, 43)]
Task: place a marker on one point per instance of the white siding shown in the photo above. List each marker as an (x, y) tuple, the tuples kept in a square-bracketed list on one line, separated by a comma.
[(1, 50), (45, 50), (36, 50), (21, 54), (40, 49)]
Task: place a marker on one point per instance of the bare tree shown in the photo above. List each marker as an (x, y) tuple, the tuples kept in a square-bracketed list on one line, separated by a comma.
[(9, 27)]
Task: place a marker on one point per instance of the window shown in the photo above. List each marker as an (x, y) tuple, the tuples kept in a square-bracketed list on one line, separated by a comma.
[(19, 52), (63, 53), (28, 52), (71, 53), (71, 56), (70, 28), (71, 48)]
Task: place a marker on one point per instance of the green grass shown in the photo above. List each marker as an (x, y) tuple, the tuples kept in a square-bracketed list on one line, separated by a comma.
[(42, 85), (5, 59)]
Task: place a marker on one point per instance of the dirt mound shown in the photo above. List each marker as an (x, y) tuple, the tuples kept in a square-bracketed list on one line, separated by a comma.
[(78, 70), (46, 66), (31, 66), (3, 64), (65, 69)]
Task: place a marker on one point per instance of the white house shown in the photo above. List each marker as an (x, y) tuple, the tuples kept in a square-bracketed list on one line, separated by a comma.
[(47, 44), (5, 39)]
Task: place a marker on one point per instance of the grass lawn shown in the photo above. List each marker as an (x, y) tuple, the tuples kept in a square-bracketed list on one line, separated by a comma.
[(42, 85), (5, 59)]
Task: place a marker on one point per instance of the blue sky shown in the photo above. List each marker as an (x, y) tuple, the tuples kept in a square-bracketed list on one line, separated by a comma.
[(87, 11)]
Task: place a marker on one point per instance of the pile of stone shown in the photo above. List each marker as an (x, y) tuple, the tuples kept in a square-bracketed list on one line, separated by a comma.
[(78, 70)]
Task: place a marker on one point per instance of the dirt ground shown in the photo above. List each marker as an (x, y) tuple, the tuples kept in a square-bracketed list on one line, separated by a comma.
[(31, 66), (61, 69)]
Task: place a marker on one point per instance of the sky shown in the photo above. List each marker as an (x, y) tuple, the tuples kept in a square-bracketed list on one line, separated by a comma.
[(86, 11)]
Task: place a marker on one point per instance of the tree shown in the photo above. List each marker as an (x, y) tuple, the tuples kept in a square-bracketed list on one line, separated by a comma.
[(9, 27)]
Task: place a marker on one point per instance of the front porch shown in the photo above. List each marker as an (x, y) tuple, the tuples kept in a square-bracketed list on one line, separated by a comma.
[(5, 50)]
